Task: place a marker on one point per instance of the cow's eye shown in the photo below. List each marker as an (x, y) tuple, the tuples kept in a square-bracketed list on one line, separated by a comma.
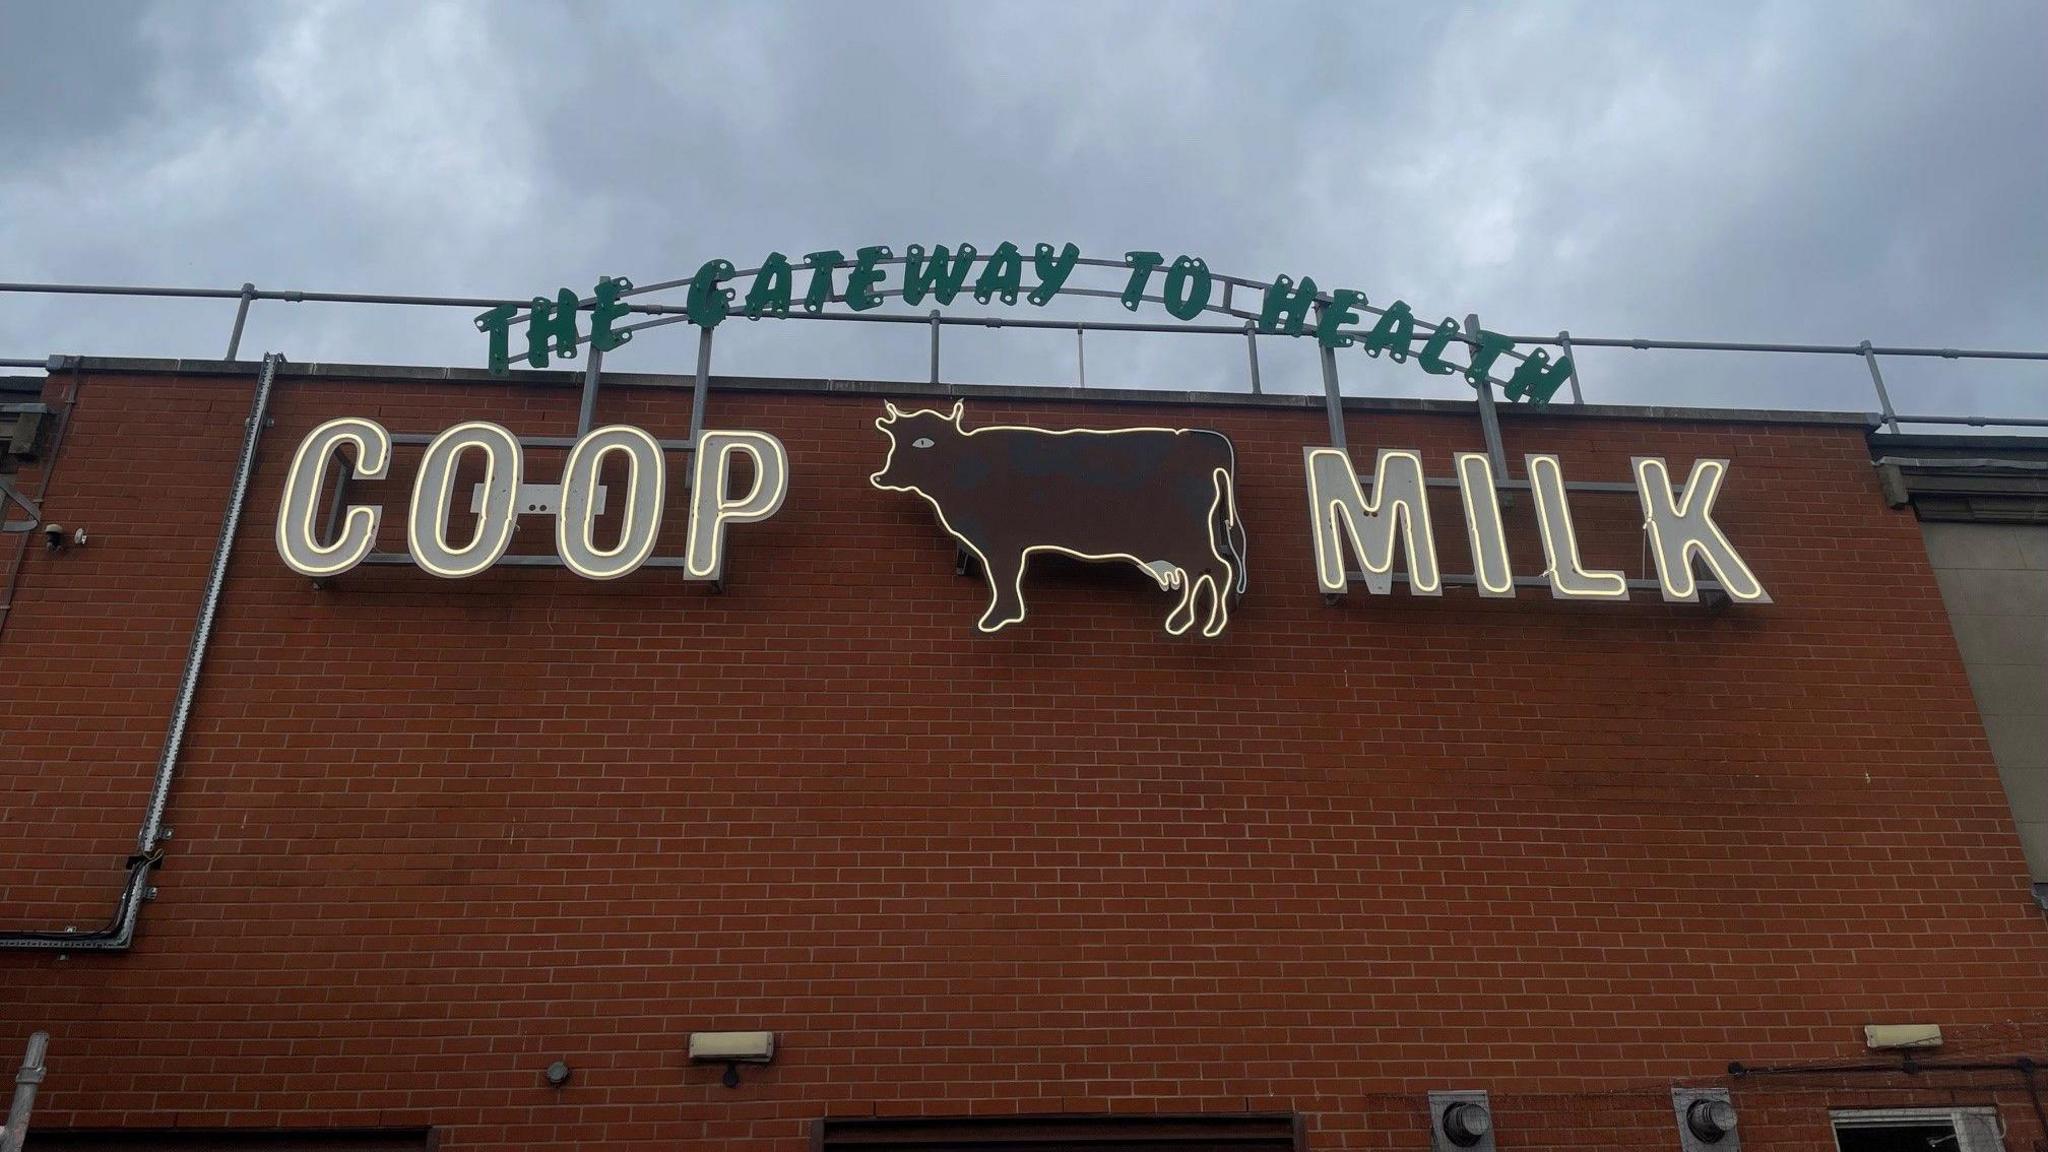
[(921, 442)]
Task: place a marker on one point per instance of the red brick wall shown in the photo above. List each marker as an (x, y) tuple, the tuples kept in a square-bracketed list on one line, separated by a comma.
[(431, 836)]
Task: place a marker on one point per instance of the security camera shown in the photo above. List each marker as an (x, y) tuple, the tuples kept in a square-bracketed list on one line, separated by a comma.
[(54, 533)]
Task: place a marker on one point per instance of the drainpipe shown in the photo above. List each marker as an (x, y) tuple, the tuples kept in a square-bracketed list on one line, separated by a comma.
[(25, 1084), (120, 930)]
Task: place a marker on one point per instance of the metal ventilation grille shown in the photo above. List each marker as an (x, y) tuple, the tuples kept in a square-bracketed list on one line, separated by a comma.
[(1235, 1132)]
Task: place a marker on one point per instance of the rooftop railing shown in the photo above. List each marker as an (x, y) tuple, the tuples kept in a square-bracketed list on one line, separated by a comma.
[(1235, 314)]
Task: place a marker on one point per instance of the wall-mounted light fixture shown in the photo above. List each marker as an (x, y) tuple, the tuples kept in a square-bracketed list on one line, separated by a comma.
[(1460, 1122), (732, 1049), (1879, 1037), (558, 1073), (1706, 1120)]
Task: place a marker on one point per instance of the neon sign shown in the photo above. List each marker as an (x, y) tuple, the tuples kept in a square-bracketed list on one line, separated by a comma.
[(1163, 500)]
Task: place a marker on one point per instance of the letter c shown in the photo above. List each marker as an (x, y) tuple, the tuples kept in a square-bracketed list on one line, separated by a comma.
[(298, 542)]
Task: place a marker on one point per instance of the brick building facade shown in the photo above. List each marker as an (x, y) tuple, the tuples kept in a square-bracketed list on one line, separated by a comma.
[(433, 836)]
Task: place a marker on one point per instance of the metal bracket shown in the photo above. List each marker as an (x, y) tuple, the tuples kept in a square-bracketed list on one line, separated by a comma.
[(1884, 398), (35, 510), (27, 429)]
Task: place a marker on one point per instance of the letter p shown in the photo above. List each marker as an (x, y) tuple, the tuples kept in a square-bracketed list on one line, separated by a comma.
[(712, 505)]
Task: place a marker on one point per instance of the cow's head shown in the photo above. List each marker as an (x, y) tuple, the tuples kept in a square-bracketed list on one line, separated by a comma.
[(918, 442)]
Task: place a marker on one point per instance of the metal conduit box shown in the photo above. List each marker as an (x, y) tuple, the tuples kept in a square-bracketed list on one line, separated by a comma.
[(1460, 1122), (1706, 1120)]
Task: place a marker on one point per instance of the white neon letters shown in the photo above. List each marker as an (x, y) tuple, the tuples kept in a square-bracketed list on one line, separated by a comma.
[(298, 541), (1490, 568), (576, 516), (711, 508), (1679, 526), (577, 502), (1684, 527), (426, 523), (1569, 578), (1339, 511)]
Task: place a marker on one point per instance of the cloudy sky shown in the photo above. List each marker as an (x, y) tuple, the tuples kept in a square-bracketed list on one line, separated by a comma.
[(1824, 172)]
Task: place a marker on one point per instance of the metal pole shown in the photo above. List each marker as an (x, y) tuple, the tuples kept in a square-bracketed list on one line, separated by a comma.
[(209, 606), (241, 317), (703, 385), (1564, 341), (25, 1082), (1080, 356), (1489, 417), (1884, 398), (588, 411), (1251, 348), (1333, 398), (935, 345)]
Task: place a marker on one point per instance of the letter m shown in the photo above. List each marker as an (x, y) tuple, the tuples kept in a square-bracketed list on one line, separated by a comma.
[(1340, 513)]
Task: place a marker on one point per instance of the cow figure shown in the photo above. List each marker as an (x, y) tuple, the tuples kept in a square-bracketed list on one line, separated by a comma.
[(1162, 499)]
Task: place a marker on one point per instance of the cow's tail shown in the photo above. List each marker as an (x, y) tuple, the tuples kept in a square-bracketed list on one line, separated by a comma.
[(1232, 524)]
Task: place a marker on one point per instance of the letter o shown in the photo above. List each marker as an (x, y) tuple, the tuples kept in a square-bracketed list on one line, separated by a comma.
[(1187, 288), (426, 525), (576, 519)]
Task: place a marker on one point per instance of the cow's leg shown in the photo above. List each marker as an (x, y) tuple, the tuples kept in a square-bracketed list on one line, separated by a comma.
[(1004, 568), (1218, 582), (1208, 582), (1182, 617)]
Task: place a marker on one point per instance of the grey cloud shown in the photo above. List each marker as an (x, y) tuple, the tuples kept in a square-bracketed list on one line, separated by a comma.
[(1823, 172)]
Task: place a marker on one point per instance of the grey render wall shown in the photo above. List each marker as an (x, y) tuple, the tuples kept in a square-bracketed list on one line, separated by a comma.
[(1994, 580)]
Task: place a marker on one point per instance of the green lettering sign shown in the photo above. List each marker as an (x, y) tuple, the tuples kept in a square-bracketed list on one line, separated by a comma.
[(608, 312), (1394, 333), (1431, 360), (1003, 275), (821, 265), (939, 277), (1053, 271), (1286, 307), (1142, 264), (1187, 288), (860, 283), (708, 303), (555, 321), (772, 286), (1342, 309), (941, 274)]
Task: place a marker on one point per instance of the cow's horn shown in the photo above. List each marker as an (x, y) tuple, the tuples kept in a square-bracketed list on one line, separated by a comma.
[(959, 406), (889, 406)]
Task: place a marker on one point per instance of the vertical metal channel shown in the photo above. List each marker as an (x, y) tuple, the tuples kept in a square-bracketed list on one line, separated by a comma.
[(241, 318), (1489, 416), (1080, 355), (587, 410), (1333, 397), (25, 1083), (202, 632), (703, 384), (1884, 398), (1251, 349), (1564, 343), (935, 345)]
